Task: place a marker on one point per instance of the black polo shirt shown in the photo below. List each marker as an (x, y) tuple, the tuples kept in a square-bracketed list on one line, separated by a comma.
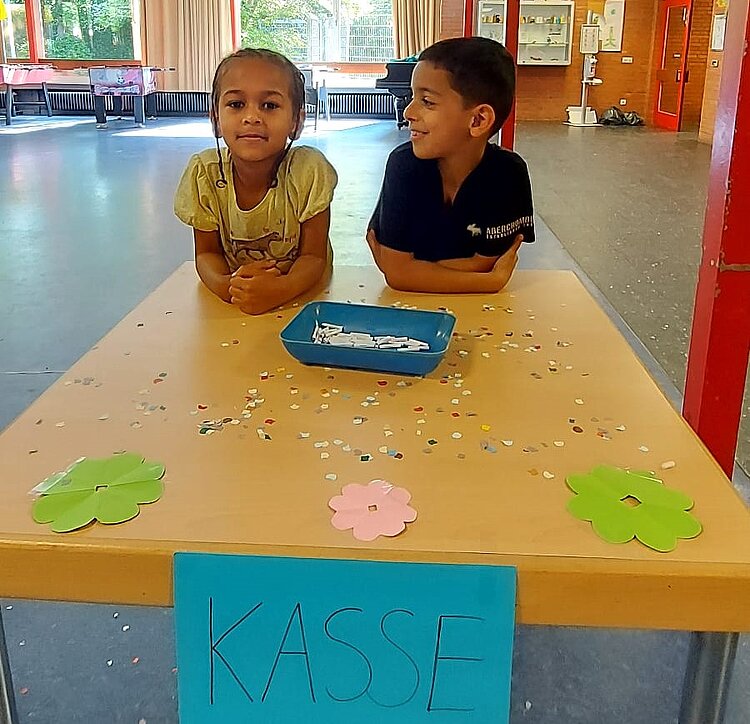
[(491, 208)]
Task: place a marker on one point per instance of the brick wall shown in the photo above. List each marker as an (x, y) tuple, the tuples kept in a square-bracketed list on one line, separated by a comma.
[(711, 86), (700, 31), (545, 92), (452, 19)]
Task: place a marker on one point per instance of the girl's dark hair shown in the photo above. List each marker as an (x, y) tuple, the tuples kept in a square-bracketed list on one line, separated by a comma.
[(296, 87), (481, 71)]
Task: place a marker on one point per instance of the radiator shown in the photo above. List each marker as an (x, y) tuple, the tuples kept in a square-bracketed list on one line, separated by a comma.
[(361, 104), (341, 103)]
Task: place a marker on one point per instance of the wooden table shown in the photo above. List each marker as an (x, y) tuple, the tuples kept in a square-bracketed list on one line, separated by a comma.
[(530, 364)]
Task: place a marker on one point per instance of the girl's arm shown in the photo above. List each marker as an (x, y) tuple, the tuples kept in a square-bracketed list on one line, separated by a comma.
[(210, 263), (261, 292)]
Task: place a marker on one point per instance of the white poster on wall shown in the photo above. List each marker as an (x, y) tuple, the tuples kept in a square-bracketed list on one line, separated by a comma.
[(718, 31), (611, 23)]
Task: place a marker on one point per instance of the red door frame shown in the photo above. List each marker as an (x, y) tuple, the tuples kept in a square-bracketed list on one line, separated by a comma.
[(720, 337), (670, 121), (512, 20)]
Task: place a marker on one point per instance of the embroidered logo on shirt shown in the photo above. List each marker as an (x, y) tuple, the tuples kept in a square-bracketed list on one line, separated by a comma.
[(474, 229)]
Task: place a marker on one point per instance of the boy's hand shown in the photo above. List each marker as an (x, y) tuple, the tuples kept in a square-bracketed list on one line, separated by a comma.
[(255, 268), (505, 265)]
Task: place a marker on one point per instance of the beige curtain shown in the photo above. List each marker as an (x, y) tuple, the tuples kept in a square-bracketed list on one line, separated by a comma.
[(416, 25), (190, 35)]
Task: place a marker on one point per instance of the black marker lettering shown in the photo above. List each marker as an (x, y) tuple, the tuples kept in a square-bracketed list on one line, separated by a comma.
[(297, 613), (353, 648), (215, 647), (439, 658), (411, 660)]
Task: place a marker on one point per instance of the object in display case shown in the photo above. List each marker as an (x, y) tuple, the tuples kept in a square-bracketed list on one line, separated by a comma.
[(490, 16), (545, 33)]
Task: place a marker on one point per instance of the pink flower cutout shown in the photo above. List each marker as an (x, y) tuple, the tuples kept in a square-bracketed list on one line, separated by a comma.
[(372, 510)]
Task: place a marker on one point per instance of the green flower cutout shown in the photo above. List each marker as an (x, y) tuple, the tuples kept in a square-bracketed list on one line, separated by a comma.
[(623, 505), (108, 490)]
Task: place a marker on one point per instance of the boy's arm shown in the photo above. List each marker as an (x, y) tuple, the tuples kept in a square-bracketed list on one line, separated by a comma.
[(375, 248), (256, 293), (405, 273)]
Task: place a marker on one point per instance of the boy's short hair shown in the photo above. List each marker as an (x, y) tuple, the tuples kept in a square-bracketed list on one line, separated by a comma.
[(481, 70)]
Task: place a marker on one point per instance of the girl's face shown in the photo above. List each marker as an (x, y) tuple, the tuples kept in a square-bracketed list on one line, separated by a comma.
[(255, 116)]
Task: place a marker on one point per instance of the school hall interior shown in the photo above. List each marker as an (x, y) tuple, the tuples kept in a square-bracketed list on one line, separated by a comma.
[(104, 101)]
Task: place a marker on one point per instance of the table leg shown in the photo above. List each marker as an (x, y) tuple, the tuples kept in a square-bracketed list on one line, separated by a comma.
[(707, 678), (8, 713), (8, 104)]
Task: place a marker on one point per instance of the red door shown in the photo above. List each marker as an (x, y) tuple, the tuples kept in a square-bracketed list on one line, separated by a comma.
[(671, 61)]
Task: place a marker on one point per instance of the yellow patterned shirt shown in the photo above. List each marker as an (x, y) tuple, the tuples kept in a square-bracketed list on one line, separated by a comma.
[(271, 230)]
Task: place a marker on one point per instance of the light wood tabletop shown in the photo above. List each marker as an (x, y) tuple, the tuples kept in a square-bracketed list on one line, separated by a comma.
[(537, 384)]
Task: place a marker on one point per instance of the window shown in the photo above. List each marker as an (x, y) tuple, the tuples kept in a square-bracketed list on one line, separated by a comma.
[(15, 37), (320, 30), (83, 29)]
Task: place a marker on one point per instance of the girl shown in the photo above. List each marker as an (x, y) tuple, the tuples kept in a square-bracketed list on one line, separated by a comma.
[(260, 209)]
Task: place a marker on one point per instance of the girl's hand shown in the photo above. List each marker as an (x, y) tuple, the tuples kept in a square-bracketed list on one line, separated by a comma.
[(255, 268), (257, 294)]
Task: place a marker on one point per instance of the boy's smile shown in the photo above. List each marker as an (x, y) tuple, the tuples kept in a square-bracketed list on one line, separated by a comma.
[(439, 119)]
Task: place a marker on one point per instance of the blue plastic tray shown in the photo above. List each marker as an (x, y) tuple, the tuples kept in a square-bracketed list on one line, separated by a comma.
[(435, 328)]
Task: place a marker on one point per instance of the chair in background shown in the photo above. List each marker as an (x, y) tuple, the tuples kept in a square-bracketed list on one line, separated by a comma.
[(316, 94)]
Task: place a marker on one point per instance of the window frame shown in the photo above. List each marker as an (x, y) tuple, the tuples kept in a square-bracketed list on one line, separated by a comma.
[(35, 34)]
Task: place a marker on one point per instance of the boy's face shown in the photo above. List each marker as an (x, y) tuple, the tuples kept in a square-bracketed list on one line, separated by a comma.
[(440, 121), (255, 114)]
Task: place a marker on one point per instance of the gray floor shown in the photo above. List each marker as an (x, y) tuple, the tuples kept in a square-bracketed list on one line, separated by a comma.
[(86, 232)]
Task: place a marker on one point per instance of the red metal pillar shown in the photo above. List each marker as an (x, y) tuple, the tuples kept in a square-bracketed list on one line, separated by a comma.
[(469, 18), (720, 339), (512, 21), (32, 31), (234, 19)]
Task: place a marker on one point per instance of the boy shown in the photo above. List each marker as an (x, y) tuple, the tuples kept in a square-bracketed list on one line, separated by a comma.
[(454, 208)]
